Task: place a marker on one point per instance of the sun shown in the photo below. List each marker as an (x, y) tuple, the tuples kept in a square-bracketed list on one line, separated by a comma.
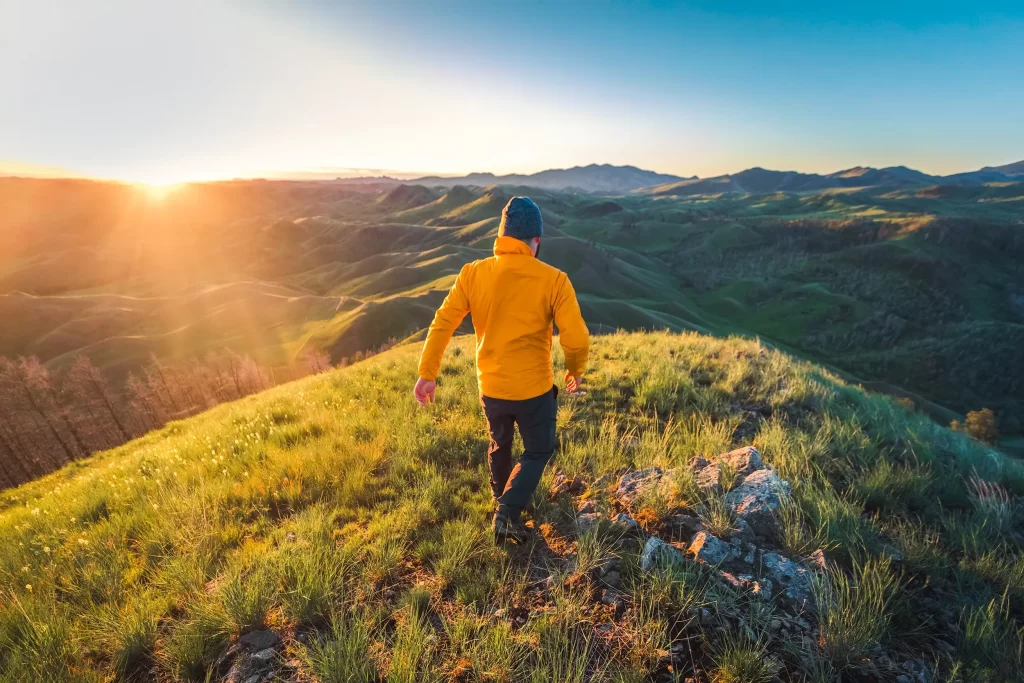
[(160, 191)]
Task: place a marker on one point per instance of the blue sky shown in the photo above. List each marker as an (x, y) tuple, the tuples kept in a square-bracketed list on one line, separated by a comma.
[(161, 92)]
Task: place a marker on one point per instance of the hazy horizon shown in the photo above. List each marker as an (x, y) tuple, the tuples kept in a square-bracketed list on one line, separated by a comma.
[(166, 92)]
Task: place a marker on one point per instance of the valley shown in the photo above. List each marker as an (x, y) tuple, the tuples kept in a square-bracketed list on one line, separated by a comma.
[(907, 286)]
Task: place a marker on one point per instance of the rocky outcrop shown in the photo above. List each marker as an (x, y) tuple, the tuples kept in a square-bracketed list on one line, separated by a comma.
[(755, 496)]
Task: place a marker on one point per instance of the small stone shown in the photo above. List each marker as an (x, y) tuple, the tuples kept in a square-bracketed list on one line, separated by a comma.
[(290, 537), (903, 678), (255, 678), (656, 552), (625, 521), (586, 507), (708, 477), (587, 522), (757, 499), (794, 577), (500, 613), (605, 627), (612, 578), (577, 485), (817, 559), (559, 484), (709, 550), (260, 640), (743, 461), (632, 484), (775, 624), (263, 656), (608, 597)]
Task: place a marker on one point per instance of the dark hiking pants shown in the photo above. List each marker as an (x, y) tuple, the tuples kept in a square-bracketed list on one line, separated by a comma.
[(535, 417)]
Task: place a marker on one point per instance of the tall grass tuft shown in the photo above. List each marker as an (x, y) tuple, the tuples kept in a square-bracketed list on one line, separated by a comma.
[(854, 612), (343, 654), (989, 635), (740, 659), (247, 596), (314, 582)]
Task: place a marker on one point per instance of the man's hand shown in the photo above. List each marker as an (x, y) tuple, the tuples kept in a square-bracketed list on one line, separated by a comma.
[(424, 390), (574, 384)]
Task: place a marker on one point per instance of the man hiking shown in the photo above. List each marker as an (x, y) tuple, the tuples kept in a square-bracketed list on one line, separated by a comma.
[(513, 299)]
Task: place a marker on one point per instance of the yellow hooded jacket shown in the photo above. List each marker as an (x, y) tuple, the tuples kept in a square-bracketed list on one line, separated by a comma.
[(513, 298)]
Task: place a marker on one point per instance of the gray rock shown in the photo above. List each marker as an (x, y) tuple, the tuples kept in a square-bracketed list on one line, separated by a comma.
[(657, 552), (612, 578), (632, 484), (586, 507), (260, 640), (743, 461), (707, 549), (263, 656), (757, 499), (587, 522), (625, 521), (707, 478), (794, 578)]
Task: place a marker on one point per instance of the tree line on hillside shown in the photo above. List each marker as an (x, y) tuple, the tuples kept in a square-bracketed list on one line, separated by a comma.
[(49, 419)]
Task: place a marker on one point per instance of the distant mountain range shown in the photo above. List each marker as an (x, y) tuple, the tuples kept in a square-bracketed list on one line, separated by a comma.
[(760, 180), (593, 178), (608, 179)]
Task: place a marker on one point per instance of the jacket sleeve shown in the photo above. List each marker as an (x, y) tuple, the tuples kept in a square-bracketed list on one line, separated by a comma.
[(572, 331), (448, 317)]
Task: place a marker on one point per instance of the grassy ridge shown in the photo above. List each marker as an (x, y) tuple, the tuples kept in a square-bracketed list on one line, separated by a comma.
[(334, 512)]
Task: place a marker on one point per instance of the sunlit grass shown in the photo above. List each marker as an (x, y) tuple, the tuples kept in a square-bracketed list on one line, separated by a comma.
[(335, 506)]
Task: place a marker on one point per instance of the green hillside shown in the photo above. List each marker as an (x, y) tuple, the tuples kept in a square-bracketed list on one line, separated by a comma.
[(332, 530), (908, 286)]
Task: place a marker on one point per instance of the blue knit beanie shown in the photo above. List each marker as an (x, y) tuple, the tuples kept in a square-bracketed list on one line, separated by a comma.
[(521, 219)]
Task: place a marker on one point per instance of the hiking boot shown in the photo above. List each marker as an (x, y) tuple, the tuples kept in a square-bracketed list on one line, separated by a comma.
[(507, 529)]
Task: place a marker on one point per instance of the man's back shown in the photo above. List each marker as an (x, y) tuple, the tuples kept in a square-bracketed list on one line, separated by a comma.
[(513, 298)]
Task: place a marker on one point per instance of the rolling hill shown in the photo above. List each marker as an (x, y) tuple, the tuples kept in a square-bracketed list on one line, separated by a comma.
[(909, 287)]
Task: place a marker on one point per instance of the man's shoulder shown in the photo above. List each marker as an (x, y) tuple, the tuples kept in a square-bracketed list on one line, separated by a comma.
[(549, 270), (477, 264)]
